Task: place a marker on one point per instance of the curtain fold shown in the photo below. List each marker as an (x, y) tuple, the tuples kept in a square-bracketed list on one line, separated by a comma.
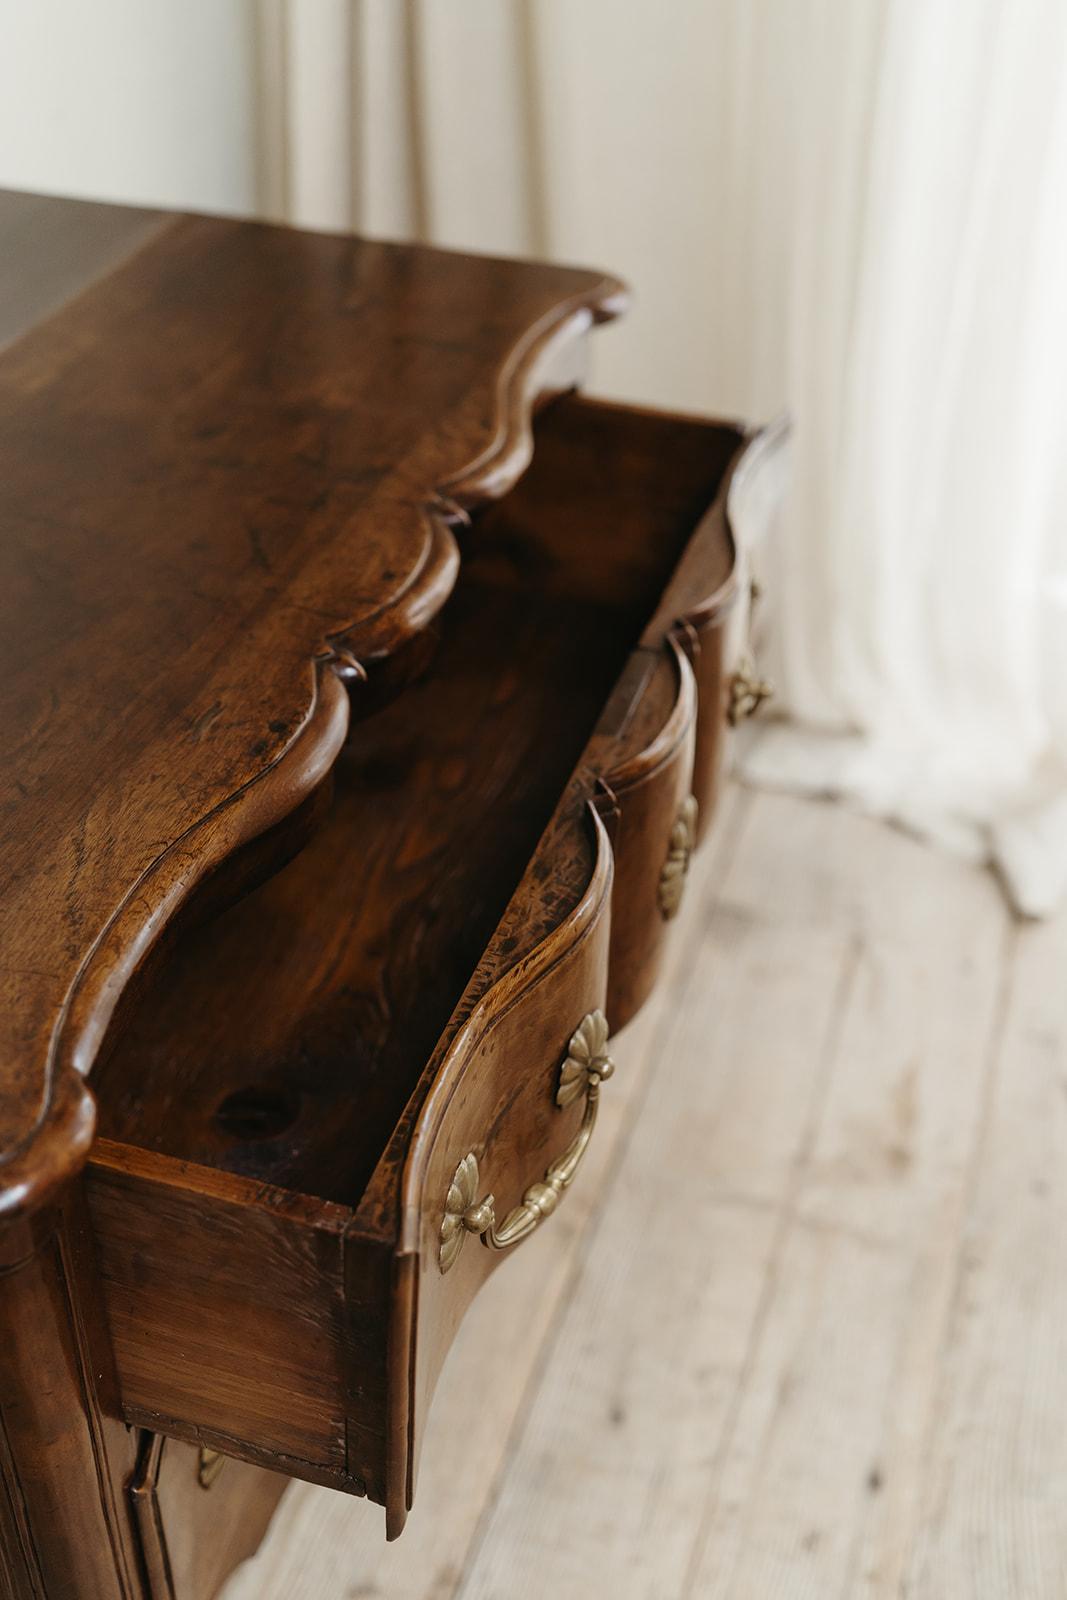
[(926, 552), (855, 210)]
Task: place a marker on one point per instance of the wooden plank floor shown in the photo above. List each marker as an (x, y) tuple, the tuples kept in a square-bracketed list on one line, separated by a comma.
[(801, 1327)]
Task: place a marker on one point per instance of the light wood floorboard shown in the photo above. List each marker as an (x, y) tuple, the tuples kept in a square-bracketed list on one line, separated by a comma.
[(800, 1328)]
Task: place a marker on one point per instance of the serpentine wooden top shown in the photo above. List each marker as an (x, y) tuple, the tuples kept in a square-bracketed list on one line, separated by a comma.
[(229, 470)]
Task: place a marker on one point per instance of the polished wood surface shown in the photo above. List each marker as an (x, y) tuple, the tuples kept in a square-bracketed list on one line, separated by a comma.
[(286, 1048), (64, 1453), (225, 470), (341, 972), (349, 750)]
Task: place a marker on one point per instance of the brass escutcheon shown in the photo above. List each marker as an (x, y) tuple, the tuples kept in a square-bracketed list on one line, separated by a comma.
[(748, 691), (679, 849), (209, 1464)]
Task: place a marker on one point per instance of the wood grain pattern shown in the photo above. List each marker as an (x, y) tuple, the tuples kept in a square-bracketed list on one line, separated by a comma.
[(63, 1454), (705, 609), (649, 787), (245, 1305), (321, 1546), (277, 779), (861, 1395), (511, 1123), (308, 988), (402, 887), (983, 1512), (220, 470), (290, 1041)]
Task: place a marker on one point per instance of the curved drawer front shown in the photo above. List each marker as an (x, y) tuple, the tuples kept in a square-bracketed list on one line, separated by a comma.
[(754, 495), (704, 640), (698, 611), (655, 831), (340, 1102), (498, 1142)]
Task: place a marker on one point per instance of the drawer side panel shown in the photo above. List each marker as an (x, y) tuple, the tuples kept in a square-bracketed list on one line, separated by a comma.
[(225, 1316)]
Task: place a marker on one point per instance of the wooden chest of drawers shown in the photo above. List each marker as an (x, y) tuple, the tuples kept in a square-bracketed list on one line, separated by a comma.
[(362, 699)]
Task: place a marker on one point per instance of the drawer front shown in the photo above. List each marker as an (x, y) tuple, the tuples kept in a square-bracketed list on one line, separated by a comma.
[(289, 1295), (704, 643), (754, 494), (498, 1142), (699, 611), (198, 1514), (654, 808), (707, 605)]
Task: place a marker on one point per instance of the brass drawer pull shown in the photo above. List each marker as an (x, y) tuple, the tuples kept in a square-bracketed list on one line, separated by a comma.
[(209, 1464), (586, 1067), (748, 691), (680, 848)]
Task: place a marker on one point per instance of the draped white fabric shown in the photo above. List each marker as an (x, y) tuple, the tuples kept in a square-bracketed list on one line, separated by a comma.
[(927, 531), (856, 208)]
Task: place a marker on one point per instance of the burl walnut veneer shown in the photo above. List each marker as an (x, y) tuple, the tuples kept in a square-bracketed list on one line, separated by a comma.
[(360, 703)]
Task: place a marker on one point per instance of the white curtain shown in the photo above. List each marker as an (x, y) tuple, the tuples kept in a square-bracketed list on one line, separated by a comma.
[(855, 208), (924, 573)]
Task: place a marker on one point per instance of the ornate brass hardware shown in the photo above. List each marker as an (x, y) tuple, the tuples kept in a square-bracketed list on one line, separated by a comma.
[(586, 1067), (679, 849), (748, 691), (209, 1464)]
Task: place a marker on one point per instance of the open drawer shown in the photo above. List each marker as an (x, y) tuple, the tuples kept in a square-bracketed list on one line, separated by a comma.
[(331, 1107)]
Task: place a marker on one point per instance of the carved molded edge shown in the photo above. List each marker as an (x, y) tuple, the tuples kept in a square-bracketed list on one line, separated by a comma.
[(56, 1145), (485, 1017), (59, 1143), (546, 354), (643, 764)]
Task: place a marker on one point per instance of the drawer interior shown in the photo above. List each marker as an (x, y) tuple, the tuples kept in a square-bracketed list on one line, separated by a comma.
[(281, 1039)]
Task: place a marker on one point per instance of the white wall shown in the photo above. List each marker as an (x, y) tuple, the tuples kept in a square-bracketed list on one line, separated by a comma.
[(135, 100), (588, 132)]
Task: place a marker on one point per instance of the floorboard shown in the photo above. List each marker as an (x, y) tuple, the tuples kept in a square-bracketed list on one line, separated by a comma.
[(800, 1328)]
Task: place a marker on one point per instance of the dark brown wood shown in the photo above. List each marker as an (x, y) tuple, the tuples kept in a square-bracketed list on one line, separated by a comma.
[(64, 1457), (511, 1123), (647, 786), (197, 438), (241, 1312), (398, 894), (346, 754), (698, 605), (285, 1041), (439, 801), (194, 1527)]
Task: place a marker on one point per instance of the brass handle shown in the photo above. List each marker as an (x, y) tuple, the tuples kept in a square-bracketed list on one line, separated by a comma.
[(209, 1464), (680, 847), (748, 691), (586, 1067)]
